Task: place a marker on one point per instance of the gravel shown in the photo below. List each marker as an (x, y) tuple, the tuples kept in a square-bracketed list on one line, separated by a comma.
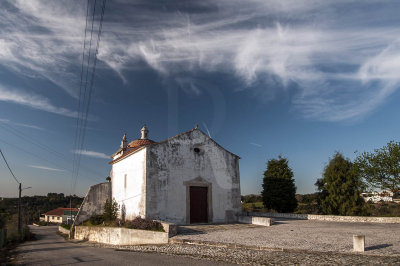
[(260, 257), (308, 235)]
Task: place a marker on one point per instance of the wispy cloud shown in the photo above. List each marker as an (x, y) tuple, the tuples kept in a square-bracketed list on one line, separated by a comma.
[(42, 39), (20, 124), (334, 65), (325, 60), (46, 168), (94, 154), (33, 101), (255, 144)]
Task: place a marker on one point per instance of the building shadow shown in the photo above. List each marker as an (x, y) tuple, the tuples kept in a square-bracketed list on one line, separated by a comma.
[(189, 231), (378, 247)]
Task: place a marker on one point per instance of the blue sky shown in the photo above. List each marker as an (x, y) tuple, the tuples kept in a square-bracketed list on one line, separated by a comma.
[(298, 78)]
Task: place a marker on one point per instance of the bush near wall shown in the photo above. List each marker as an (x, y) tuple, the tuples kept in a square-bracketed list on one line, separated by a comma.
[(66, 226), (137, 223)]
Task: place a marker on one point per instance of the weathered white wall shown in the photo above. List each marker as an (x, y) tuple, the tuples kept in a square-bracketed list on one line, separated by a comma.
[(93, 203), (119, 235), (171, 163), (132, 196)]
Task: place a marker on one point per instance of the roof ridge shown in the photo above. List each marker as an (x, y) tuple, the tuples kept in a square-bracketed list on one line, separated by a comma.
[(180, 134)]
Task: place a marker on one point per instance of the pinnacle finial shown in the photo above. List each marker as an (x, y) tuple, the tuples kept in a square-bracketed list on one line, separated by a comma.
[(144, 132), (124, 142)]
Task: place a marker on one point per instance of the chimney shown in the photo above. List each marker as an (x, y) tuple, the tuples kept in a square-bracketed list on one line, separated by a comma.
[(145, 132)]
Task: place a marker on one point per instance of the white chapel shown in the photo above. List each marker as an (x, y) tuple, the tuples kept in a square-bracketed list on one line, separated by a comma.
[(188, 178)]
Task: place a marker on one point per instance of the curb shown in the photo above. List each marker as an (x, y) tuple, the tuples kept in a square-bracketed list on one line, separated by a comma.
[(221, 245)]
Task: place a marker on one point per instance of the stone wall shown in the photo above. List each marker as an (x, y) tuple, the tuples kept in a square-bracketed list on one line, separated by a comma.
[(119, 236), (328, 218), (62, 230), (264, 221), (94, 201)]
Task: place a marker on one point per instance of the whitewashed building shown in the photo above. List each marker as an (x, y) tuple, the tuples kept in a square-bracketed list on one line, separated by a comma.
[(188, 178)]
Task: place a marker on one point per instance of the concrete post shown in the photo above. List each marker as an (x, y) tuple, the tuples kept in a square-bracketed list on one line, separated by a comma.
[(359, 243)]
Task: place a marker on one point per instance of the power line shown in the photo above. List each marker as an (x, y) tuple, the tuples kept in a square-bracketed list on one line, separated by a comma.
[(81, 121), (41, 145), (83, 114), (9, 167), (41, 158)]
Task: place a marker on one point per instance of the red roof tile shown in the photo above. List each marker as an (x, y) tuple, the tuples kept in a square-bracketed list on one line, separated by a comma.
[(60, 211), (133, 146), (139, 142)]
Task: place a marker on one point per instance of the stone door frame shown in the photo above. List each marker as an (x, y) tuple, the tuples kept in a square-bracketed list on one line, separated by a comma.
[(199, 182)]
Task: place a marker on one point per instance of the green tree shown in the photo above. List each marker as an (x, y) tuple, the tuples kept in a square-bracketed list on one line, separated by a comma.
[(279, 191), (110, 210), (339, 188), (381, 168)]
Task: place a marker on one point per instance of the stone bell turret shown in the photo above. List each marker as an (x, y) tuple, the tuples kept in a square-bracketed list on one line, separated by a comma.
[(145, 132)]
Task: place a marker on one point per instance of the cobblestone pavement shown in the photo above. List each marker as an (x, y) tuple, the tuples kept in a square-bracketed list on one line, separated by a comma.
[(260, 257), (381, 239)]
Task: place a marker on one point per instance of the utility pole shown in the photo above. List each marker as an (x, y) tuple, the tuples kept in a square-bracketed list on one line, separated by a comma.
[(19, 212)]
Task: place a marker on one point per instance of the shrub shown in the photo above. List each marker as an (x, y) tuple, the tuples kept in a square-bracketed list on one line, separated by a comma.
[(43, 223), (110, 210), (66, 226), (96, 220), (140, 223)]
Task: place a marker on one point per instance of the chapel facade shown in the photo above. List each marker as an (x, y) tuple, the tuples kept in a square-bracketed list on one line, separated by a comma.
[(188, 178)]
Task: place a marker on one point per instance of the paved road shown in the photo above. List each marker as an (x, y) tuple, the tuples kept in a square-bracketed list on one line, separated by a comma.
[(52, 249)]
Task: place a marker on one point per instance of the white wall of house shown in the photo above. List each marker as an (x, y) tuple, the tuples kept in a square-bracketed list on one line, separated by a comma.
[(53, 219), (172, 164), (128, 184)]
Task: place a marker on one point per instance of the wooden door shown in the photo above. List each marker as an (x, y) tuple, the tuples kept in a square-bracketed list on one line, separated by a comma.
[(198, 205)]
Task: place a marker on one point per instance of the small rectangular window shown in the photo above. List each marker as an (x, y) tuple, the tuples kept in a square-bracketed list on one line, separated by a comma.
[(125, 181)]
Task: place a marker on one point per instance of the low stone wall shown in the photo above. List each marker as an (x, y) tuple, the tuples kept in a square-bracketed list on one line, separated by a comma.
[(62, 230), (119, 236), (264, 221), (170, 228), (328, 218)]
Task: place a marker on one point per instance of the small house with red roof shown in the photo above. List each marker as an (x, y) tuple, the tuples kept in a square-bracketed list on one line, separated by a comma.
[(188, 178), (60, 215)]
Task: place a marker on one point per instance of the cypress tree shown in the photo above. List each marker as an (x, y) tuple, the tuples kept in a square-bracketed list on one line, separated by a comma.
[(339, 188), (279, 191)]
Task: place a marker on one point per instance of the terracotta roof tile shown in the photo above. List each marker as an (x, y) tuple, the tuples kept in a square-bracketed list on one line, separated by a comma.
[(60, 211), (139, 142), (134, 146)]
